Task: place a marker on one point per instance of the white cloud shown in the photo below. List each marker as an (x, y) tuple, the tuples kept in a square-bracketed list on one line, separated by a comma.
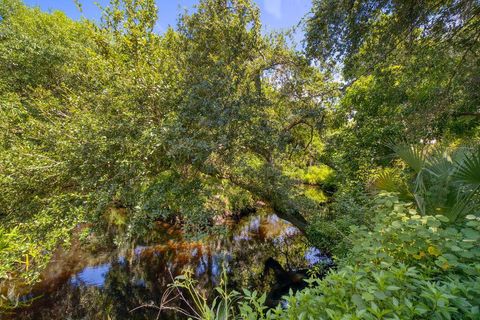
[(274, 7)]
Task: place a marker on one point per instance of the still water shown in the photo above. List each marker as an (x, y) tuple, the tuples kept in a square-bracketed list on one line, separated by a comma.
[(82, 284)]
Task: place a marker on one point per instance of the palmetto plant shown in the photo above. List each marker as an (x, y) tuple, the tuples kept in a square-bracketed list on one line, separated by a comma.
[(445, 182)]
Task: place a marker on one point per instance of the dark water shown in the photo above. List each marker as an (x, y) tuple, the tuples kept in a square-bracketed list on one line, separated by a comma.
[(112, 285)]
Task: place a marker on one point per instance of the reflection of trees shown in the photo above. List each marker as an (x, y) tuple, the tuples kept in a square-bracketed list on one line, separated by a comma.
[(273, 238), (143, 273)]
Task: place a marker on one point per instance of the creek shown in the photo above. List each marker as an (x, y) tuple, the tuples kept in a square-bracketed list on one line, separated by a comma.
[(112, 284)]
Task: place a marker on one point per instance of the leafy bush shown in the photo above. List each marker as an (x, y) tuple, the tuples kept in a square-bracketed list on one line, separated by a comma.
[(26, 247), (408, 266), (317, 174), (330, 229)]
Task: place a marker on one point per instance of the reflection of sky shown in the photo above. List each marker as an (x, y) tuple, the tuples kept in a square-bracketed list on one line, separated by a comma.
[(315, 256), (216, 266), (26, 297), (139, 282), (145, 271), (194, 252), (218, 261), (139, 249), (245, 233), (291, 230), (202, 265), (92, 276), (273, 219), (257, 229), (272, 223)]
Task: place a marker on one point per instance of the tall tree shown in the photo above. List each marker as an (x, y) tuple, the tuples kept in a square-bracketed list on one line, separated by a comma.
[(250, 106), (410, 69)]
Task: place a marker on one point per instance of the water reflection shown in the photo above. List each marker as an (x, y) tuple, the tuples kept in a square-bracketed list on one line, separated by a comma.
[(107, 286), (92, 276)]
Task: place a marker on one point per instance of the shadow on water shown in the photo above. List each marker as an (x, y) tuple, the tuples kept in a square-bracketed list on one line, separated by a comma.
[(108, 285)]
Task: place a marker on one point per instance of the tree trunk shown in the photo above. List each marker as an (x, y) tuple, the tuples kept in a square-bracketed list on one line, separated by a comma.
[(291, 214), (281, 204)]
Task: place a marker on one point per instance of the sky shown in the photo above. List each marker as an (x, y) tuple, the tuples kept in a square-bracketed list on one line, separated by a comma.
[(275, 14)]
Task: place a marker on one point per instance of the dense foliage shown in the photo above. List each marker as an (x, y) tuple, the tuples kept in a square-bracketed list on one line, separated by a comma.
[(407, 266), (409, 68), (367, 142)]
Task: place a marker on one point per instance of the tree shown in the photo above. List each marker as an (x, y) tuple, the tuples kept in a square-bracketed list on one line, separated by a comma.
[(409, 69), (250, 106)]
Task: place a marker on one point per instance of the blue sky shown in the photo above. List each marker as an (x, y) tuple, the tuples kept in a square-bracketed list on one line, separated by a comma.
[(275, 14)]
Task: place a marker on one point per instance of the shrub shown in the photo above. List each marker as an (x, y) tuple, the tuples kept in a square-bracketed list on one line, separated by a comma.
[(409, 266)]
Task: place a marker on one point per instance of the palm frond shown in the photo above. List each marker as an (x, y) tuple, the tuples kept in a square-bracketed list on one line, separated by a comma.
[(462, 207), (390, 180), (386, 180), (468, 170), (420, 204), (420, 193), (459, 155), (440, 164), (413, 155)]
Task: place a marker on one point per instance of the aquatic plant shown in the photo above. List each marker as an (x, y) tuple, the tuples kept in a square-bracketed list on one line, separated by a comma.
[(197, 305)]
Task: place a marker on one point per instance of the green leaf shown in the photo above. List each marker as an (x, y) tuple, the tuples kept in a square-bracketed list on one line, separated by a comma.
[(358, 301), (393, 288), (368, 296), (442, 218), (413, 155), (469, 169), (471, 233), (380, 295)]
